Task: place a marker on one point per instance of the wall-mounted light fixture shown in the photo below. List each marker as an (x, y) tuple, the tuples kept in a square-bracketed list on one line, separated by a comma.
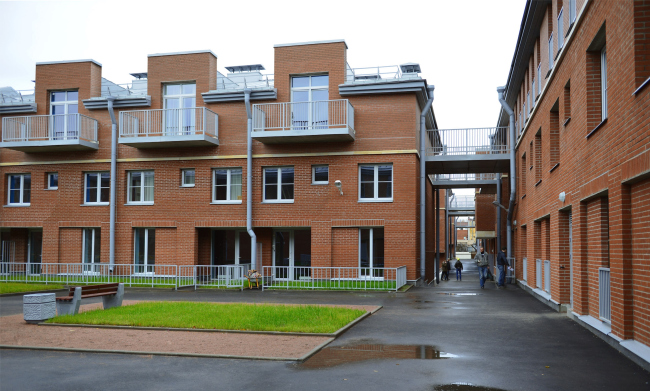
[(339, 186), (562, 196)]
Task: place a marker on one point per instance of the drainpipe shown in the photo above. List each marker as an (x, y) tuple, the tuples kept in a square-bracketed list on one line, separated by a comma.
[(437, 267), (249, 181), (498, 213), (513, 190), (446, 223), (113, 202), (423, 189)]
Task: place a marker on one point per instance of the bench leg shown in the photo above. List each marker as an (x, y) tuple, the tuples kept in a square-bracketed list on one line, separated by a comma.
[(70, 307), (114, 300)]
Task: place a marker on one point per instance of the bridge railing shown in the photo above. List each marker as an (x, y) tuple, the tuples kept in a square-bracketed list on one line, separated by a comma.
[(469, 141)]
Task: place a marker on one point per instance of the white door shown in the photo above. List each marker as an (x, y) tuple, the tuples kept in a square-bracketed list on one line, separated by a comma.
[(180, 112), (292, 254), (64, 108)]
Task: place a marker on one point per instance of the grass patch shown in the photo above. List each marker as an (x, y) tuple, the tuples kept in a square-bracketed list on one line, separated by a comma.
[(179, 314), (18, 287)]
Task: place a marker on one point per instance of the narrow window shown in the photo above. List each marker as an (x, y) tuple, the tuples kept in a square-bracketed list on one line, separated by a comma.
[(319, 175), (140, 187), (538, 156), (603, 83), (144, 247), (554, 134), (91, 249), (371, 252), (539, 79), (572, 11), (560, 30), (20, 188), (278, 184), (550, 52), (180, 109), (52, 181), (64, 108), (641, 44), (567, 102), (524, 169), (533, 84), (310, 106), (227, 186), (376, 182), (596, 88), (97, 188), (187, 177)]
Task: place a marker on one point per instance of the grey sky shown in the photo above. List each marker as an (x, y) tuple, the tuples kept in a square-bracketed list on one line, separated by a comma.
[(464, 47)]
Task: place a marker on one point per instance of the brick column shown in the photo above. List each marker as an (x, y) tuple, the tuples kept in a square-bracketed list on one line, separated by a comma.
[(50, 242), (620, 260), (321, 243), (560, 261), (580, 260), (187, 243)]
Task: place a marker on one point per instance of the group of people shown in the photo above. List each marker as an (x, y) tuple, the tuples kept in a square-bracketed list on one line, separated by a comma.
[(446, 267), (482, 262)]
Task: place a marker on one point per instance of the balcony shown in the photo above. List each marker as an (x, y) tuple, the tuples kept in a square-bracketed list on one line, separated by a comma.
[(164, 128), (46, 133), (303, 122)]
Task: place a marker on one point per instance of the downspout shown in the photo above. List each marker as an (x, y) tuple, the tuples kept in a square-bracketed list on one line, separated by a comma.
[(498, 213), (113, 202), (513, 191), (249, 181), (423, 189), (437, 267), (447, 223)]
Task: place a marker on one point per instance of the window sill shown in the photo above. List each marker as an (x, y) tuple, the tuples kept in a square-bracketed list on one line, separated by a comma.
[(278, 202), (186, 186), (554, 167), (523, 196), (566, 122), (96, 204), (538, 182), (52, 188), (377, 200), (600, 125), (569, 29), (645, 83), (138, 203), (17, 205), (320, 183), (226, 202), (530, 168), (548, 73)]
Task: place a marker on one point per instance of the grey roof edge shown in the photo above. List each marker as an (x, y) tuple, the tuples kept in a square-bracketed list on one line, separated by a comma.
[(29, 107), (124, 101), (68, 61), (280, 45), (216, 96), (181, 53)]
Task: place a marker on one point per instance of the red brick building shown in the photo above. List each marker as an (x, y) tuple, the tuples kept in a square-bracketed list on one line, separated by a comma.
[(180, 182), (579, 89)]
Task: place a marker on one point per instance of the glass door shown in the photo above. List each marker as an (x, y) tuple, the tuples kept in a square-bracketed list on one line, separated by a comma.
[(230, 247), (371, 253), (64, 108), (35, 251), (91, 250), (292, 254), (180, 109), (309, 97), (145, 250)]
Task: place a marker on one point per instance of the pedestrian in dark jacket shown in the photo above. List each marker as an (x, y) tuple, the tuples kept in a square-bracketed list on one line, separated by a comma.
[(502, 262), (445, 270), (459, 269)]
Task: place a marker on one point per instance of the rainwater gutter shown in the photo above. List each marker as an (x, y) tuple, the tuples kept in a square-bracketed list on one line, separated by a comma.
[(498, 213), (513, 191), (423, 189), (113, 202), (249, 182)]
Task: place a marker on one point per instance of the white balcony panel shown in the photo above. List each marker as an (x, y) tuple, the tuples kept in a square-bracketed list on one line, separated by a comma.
[(48, 133), (303, 122), (163, 128)]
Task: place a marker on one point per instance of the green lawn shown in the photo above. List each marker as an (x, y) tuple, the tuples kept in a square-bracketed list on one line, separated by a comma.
[(265, 317), (17, 287)]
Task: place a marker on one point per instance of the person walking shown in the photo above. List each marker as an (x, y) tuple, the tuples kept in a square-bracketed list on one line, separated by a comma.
[(502, 262), (445, 270), (459, 270), (482, 263)]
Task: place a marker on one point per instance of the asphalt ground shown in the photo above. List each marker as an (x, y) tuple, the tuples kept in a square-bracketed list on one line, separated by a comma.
[(425, 339)]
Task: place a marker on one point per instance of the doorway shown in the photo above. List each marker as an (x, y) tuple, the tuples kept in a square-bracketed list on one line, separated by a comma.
[(34, 251), (229, 247), (292, 254)]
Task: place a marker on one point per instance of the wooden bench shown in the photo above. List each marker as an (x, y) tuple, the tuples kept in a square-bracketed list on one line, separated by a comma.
[(111, 294)]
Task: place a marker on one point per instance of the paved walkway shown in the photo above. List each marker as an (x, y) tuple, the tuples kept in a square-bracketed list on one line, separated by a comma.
[(421, 339)]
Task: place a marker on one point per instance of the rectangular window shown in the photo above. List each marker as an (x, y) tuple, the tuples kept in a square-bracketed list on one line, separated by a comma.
[(550, 52), (560, 30), (91, 249), (567, 102), (319, 175), (227, 186), (538, 156), (539, 78), (144, 250), (524, 169), (309, 95), (97, 186), (572, 11), (20, 188), (376, 182), (278, 184), (554, 135), (533, 88), (52, 181), (140, 187), (641, 45), (371, 252), (180, 113), (187, 177), (64, 108), (603, 82)]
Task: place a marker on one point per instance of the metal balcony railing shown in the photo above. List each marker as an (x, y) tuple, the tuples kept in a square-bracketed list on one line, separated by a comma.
[(604, 295), (462, 202), (169, 122), (376, 74), (465, 177), (49, 128), (474, 141), (316, 115), (224, 83), (9, 96)]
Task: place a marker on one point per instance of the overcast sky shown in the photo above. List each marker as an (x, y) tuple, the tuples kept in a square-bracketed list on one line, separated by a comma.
[(463, 47)]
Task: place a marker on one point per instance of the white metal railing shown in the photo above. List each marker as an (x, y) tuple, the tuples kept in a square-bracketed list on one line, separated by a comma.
[(333, 278), (604, 298), (375, 74), (125, 89), (90, 273), (225, 83), (538, 273), (547, 276), (465, 177), (9, 96), (169, 122), (511, 276), (49, 128), (213, 276), (326, 114), (524, 269), (474, 141), (460, 201)]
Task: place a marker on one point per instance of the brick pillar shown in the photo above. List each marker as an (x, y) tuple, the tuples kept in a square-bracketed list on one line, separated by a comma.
[(50, 243), (321, 243), (580, 260), (560, 260), (598, 238), (187, 243), (621, 272)]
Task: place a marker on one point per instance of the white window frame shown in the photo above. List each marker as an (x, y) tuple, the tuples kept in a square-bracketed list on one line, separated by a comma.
[(572, 11), (371, 256), (181, 110), (539, 79), (22, 190), (310, 89), (228, 185), (183, 173), (99, 187), (279, 200), (88, 266), (66, 104), (144, 265), (376, 183), (603, 82), (142, 187), (560, 30), (550, 52), (313, 175), (49, 181), (533, 91)]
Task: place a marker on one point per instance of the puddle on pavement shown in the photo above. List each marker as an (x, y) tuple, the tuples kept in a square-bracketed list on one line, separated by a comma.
[(464, 387), (366, 350), (459, 294)]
